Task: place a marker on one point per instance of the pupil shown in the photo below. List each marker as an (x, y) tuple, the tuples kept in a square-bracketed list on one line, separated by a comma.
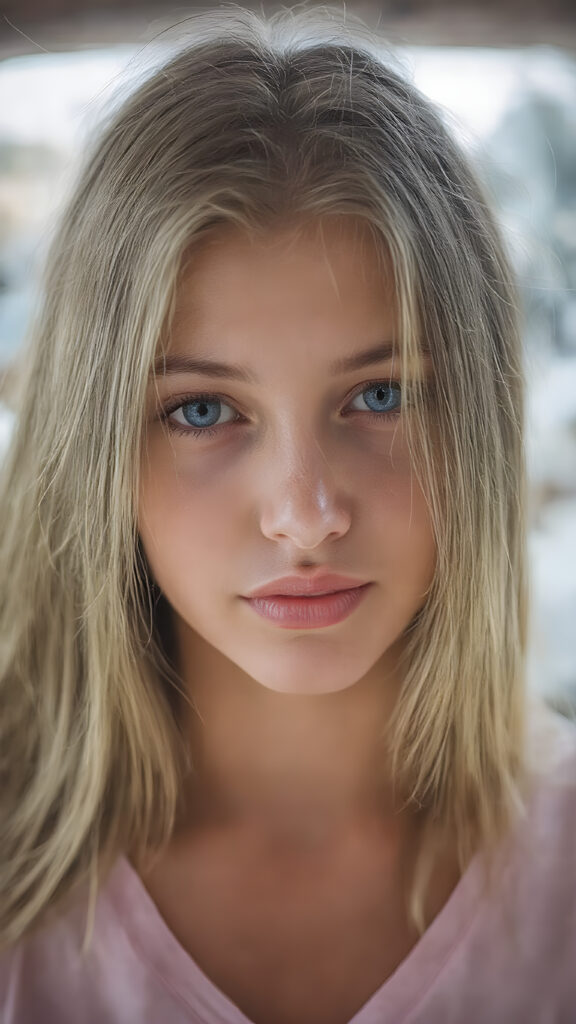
[(199, 410), (385, 394)]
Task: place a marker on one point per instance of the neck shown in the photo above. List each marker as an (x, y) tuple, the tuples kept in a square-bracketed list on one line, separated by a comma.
[(308, 765)]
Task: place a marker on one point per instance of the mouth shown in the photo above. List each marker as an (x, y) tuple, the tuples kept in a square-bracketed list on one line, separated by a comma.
[(320, 585), (308, 611)]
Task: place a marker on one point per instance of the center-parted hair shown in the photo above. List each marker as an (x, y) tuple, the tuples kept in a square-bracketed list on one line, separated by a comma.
[(259, 123)]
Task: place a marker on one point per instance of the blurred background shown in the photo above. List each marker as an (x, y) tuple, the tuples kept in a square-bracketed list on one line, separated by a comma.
[(504, 77)]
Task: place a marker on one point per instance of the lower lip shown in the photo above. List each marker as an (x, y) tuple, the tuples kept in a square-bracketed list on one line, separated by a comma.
[(308, 612)]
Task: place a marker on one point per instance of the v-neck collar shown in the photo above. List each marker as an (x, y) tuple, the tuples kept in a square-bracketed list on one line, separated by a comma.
[(175, 969)]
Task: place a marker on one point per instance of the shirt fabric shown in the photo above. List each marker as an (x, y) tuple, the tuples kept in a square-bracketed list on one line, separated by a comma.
[(510, 959)]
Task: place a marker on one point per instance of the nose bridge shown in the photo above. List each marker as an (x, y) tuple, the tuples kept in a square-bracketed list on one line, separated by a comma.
[(303, 496), (301, 459)]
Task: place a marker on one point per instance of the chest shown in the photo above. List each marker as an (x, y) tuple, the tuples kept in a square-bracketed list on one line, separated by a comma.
[(289, 939)]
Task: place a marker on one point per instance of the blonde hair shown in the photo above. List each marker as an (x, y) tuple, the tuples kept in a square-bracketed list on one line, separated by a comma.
[(256, 122)]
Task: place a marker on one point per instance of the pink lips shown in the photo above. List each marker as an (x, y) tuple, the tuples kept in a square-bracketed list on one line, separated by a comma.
[(291, 609), (305, 586)]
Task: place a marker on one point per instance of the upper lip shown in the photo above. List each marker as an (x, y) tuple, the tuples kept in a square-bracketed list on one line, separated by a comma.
[(304, 586)]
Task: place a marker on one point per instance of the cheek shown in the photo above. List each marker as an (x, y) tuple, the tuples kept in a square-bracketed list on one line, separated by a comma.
[(402, 522), (191, 507), (183, 515)]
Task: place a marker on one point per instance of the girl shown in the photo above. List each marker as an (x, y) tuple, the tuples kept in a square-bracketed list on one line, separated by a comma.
[(266, 750)]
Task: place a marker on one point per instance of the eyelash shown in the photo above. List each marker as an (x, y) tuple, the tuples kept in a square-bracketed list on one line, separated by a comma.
[(197, 432)]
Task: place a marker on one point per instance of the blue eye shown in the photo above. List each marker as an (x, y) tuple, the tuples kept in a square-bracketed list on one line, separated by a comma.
[(200, 415), (201, 412), (383, 398)]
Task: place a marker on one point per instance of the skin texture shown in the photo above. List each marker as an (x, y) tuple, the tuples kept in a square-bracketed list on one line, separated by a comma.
[(285, 880), (285, 723), (308, 478)]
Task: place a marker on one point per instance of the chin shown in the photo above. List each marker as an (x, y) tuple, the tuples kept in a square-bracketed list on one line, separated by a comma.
[(308, 684), (310, 690)]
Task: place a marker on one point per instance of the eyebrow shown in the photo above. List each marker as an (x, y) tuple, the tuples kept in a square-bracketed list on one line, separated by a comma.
[(172, 364)]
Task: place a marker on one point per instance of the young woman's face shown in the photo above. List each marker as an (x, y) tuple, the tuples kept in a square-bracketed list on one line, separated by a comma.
[(293, 465)]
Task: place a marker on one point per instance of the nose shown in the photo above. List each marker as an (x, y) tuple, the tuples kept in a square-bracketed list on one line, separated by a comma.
[(302, 499)]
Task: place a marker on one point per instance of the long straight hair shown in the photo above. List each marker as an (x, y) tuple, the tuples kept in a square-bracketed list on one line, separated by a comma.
[(254, 122)]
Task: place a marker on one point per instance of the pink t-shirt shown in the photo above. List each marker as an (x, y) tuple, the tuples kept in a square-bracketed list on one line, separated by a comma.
[(510, 960)]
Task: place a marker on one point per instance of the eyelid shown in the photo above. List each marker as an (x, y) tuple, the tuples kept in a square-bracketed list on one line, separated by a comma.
[(172, 403), (176, 402)]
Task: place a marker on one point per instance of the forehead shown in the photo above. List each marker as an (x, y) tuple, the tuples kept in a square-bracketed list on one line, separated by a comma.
[(308, 272), (332, 233)]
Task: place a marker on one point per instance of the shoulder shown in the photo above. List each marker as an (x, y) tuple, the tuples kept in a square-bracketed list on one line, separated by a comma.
[(551, 768), (541, 858), (46, 977), (515, 959), (547, 832)]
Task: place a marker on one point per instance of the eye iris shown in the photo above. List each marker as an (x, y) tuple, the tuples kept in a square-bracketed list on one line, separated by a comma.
[(195, 413), (389, 394)]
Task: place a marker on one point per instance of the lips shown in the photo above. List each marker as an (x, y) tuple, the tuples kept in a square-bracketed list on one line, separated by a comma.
[(310, 611), (307, 586)]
